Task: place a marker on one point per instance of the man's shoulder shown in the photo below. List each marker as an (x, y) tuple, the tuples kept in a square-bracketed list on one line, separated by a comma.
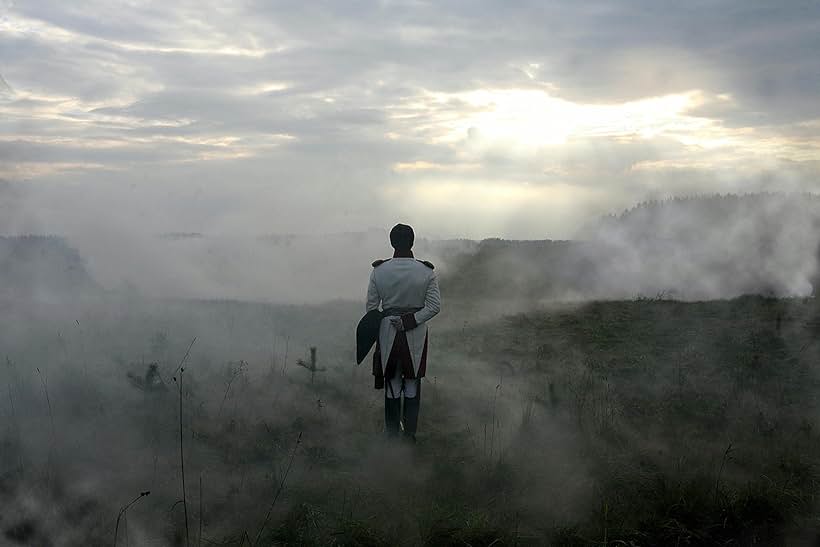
[(426, 263)]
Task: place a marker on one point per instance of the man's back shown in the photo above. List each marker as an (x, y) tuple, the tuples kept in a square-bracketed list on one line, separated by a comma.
[(400, 283)]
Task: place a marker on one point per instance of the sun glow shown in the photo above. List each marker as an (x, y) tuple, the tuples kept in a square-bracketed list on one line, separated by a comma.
[(537, 125), (485, 195), (496, 205), (533, 118)]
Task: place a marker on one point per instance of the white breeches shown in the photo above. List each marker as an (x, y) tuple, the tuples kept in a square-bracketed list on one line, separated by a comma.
[(397, 385)]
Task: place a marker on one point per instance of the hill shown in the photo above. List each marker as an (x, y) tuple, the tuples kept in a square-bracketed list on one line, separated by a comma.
[(690, 248), (614, 423)]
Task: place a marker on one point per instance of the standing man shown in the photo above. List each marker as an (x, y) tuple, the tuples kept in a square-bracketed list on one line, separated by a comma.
[(407, 290)]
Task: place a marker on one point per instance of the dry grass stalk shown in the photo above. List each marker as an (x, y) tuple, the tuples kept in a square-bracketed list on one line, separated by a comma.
[(181, 370), (234, 375), (123, 512), (199, 537), (279, 490), (285, 363)]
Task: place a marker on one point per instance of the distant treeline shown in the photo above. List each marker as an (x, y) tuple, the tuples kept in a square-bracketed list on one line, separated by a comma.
[(700, 247), (32, 265), (714, 209)]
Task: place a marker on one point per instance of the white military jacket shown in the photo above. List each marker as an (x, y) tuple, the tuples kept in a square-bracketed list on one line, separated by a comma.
[(404, 283)]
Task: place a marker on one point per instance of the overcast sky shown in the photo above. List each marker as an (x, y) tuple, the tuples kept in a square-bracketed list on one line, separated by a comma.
[(518, 119)]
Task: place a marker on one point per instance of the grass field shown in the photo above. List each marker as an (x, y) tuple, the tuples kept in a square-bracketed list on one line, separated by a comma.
[(641, 422)]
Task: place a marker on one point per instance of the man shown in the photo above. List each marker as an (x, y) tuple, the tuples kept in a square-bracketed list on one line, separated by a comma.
[(407, 290)]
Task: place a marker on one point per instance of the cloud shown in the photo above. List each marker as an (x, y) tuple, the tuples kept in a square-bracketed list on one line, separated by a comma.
[(330, 107)]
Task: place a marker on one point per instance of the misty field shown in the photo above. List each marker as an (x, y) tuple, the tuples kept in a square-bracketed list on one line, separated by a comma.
[(640, 422)]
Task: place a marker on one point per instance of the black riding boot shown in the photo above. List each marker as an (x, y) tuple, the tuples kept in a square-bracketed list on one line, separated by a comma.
[(411, 415), (392, 415)]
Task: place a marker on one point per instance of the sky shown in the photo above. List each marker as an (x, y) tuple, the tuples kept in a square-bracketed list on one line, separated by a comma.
[(517, 119)]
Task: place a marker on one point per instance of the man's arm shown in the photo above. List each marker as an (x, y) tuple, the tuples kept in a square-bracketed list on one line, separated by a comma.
[(432, 305), (373, 298)]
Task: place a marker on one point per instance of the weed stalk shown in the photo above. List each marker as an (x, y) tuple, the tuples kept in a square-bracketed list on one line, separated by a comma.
[(285, 363), (279, 490), (720, 471), (122, 512), (181, 370), (199, 537)]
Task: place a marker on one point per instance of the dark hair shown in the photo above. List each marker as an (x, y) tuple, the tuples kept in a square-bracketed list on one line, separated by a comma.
[(402, 237)]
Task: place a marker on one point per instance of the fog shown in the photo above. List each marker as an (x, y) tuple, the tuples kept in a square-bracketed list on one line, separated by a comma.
[(713, 246), (522, 395), (84, 434), (620, 201)]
